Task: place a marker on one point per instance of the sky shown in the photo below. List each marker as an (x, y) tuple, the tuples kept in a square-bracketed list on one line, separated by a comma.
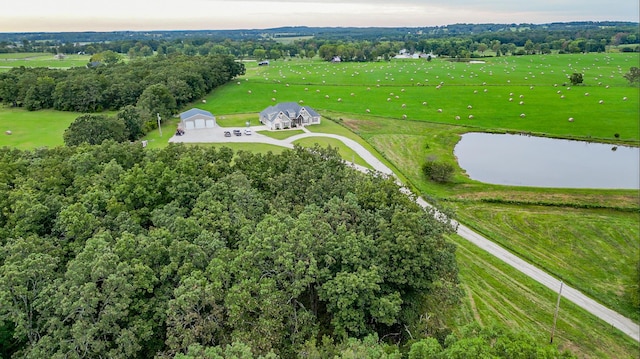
[(136, 15)]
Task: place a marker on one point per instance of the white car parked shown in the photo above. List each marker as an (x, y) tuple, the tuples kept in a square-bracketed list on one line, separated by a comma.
[(247, 131)]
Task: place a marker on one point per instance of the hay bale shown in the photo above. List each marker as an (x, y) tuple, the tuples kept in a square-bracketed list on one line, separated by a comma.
[(8, 132), (570, 119)]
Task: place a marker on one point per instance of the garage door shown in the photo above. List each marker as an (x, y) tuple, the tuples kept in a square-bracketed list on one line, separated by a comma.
[(188, 125), (210, 124), (199, 123)]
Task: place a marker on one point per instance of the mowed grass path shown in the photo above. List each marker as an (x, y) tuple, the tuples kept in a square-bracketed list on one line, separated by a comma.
[(419, 90)]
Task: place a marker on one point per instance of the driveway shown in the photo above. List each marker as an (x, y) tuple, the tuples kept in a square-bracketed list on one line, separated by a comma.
[(615, 319)]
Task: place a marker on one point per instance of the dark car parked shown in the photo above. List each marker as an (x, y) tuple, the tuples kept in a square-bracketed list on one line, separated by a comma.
[(237, 132), (227, 134)]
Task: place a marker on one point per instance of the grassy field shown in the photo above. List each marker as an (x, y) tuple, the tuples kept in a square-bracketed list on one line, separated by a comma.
[(496, 293), (38, 59), (33, 129), (419, 90)]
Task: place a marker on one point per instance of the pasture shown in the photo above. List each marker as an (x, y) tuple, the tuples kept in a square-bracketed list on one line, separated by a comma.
[(33, 129), (529, 94), (9, 60)]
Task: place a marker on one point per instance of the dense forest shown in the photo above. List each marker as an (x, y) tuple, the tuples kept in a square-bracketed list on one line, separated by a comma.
[(118, 251)]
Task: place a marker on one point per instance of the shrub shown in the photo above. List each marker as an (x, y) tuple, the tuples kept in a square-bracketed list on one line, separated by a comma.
[(438, 171)]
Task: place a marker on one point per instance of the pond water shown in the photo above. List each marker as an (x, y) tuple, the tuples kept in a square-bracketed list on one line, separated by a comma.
[(519, 160)]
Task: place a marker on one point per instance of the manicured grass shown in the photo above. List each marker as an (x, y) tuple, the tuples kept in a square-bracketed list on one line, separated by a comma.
[(345, 152), (496, 292), (33, 129), (281, 134)]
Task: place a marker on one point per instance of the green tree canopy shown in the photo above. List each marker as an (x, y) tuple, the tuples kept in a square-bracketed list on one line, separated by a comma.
[(93, 129)]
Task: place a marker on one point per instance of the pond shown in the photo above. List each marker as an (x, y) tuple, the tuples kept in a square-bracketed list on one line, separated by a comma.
[(520, 160)]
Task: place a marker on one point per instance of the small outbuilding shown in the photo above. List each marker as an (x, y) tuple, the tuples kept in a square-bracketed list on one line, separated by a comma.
[(197, 119)]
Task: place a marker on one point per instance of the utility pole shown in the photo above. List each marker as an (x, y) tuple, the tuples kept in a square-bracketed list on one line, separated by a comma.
[(159, 128), (555, 316)]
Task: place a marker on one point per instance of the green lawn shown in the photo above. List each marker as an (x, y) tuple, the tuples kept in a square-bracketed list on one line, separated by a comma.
[(345, 152), (281, 134), (33, 129)]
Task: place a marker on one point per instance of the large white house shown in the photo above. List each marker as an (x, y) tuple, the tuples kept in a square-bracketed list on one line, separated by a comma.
[(196, 119), (288, 115)]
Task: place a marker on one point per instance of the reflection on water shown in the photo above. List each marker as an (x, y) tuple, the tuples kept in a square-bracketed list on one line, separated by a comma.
[(545, 162)]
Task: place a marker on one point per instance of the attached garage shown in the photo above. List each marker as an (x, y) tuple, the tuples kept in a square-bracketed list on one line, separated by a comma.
[(196, 118)]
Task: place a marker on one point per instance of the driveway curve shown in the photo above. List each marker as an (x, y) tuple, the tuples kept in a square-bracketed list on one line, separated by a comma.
[(613, 318)]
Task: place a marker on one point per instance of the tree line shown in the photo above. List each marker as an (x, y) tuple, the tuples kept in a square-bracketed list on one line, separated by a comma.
[(159, 84), (357, 44), (123, 252)]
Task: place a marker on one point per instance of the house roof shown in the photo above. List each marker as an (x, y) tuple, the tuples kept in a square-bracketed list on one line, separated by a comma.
[(195, 111), (291, 109)]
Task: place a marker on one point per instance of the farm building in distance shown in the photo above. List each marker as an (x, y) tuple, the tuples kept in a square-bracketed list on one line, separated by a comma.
[(196, 119), (288, 115)]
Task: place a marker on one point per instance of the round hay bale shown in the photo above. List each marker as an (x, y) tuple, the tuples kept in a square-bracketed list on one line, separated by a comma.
[(521, 102), (8, 132), (471, 117), (601, 102), (570, 119), (457, 117), (469, 107), (522, 115), (439, 110), (624, 98), (404, 117), (367, 110)]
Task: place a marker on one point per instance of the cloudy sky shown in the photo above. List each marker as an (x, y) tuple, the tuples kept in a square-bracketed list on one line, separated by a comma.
[(86, 15)]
